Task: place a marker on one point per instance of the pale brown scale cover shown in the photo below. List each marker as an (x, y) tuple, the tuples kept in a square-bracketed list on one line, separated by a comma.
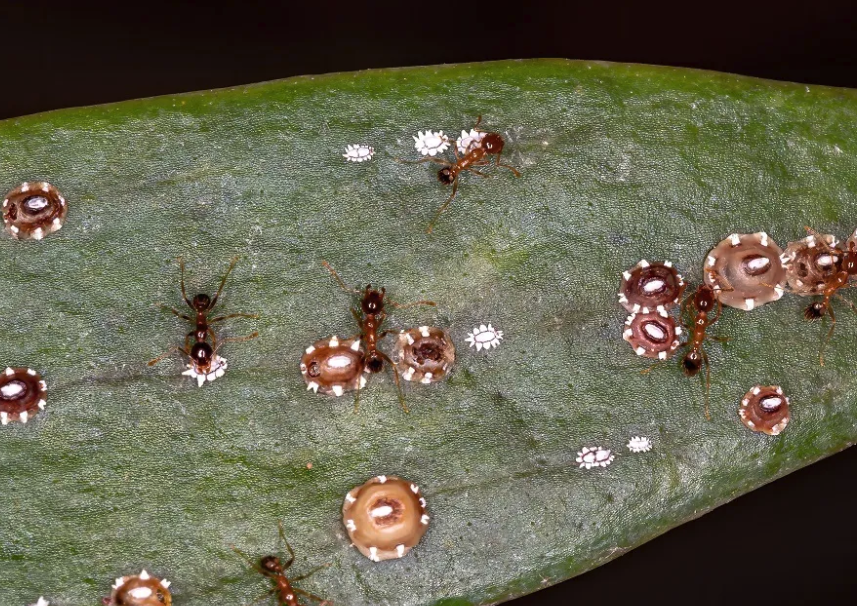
[(765, 409), (331, 368), (424, 354), (138, 590), (647, 286), (652, 335), (810, 265), (21, 390), (747, 274), (34, 210), (399, 517)]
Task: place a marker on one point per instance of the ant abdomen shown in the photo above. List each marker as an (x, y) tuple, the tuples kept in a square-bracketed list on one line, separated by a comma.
[(691, 364)]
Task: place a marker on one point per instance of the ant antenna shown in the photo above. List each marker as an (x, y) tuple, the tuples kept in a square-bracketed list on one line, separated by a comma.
[(342, 284)]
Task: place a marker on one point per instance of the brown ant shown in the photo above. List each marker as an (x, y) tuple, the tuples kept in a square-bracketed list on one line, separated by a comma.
[(702, 303), (372, 305), (832, 284), (271, 567), (202, 353), (476, 154)]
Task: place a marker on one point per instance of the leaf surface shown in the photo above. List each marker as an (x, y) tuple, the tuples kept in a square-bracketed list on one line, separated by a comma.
[(134, 467)]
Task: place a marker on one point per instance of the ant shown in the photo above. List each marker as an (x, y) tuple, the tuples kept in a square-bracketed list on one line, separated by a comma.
[(271, 567), (832, 284), (476, 154), (202, 354), (702, 302), (372, 304)]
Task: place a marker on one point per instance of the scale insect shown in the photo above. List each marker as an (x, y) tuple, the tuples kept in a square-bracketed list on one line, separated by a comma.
[(272, 567), (478, 153), (205, 364), (370, 318)]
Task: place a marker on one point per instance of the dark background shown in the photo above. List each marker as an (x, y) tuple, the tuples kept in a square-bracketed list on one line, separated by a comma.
[(792, 542)]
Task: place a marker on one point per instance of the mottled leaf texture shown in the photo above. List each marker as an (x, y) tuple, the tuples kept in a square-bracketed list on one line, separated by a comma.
[(133, 466)]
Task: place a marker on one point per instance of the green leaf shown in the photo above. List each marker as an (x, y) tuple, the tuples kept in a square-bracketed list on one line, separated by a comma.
[(132, 466)]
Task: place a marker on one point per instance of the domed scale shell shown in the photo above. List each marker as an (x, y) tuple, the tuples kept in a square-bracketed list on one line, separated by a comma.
[(652, 335), (22, 394), (331, 366), (385, 517), (746, 270), (648, 287), (33, 210), (424, 354), (765, 409), (810, 265), (140, 590)]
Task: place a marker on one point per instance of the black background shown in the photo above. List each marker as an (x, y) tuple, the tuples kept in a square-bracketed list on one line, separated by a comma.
[(792, 542)]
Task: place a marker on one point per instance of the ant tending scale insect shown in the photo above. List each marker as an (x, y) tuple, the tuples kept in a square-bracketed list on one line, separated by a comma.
[(373, 315), (271, 567), (702, 302), (204, 361), (476, 154), (831, 283)]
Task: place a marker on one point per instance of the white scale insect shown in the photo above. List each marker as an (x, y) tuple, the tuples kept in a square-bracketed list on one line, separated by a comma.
[(217, 370), (358, 153), (41, 602), (429, 143), (639, 444), (467, 139), (484, 337), (594, 456)]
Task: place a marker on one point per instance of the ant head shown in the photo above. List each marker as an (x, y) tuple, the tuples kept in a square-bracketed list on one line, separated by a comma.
[(815, 310), (692, 363), (492, 143), (373, 300), (374, 362), (271, 564), (201, 354), (446, 175), (201, 302)]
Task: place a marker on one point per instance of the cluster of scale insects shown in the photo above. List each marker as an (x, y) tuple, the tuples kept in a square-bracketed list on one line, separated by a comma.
[(743, 271)]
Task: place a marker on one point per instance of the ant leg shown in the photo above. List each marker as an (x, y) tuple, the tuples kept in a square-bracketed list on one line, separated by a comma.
[(184, 294), (310, 573), (398, 383), (339, 280), (289, 547), (263, 596), (167, 353), (443, 208), (424, 160), (310, 595), (707, 381), (221, 318), (478, 121), (829, 334), (476, 172), (717, 315), (176, 312), (359, 319), (718, 339), (511, 168), (411, 304), (250, 561), (235, 340), (223, 281)]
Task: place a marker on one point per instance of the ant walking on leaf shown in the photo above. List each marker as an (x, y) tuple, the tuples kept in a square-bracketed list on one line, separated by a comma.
[(372, 305), (204, 361), (271, 567), (478, 153)]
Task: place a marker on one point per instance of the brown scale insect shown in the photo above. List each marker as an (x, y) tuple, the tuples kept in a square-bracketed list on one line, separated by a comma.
[(271, 567), (202, 354), (373, 315), (698, 306), (832, 284), (478, 153)]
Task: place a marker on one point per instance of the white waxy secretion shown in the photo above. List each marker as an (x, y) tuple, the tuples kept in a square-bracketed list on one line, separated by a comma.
[(216, 370), (358, 153), (429, 143), (639, 444), (484, 337)]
